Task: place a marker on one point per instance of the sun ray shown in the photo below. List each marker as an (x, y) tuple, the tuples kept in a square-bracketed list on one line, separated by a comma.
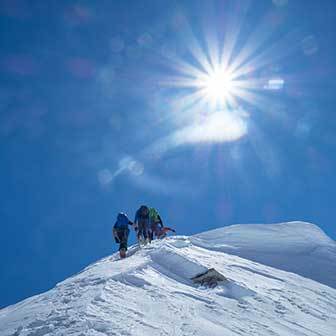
[(233, 27), (260, 102), (196, 50), (276, 52), (186, 68), (253, 43)]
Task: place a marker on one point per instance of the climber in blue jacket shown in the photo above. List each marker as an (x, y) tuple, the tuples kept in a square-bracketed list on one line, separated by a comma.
[(121, 232)]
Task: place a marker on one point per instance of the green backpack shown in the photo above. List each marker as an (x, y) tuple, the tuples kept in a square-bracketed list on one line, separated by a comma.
[(153, 215)]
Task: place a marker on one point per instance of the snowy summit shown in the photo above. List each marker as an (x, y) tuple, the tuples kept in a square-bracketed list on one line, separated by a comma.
[(274, 279), (297, 247)]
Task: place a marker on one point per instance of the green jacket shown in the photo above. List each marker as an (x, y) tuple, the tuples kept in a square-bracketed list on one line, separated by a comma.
[(154, 216)]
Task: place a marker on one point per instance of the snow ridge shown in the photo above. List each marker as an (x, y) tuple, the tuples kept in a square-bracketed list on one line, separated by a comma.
[(298, 247), (150, 293)]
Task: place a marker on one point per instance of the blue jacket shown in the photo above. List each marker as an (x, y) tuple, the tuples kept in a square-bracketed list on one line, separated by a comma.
[(122, 221)]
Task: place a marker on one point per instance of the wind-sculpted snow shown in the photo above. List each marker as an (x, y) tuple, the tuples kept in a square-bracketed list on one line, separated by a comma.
[(297, 247), (150, 293)]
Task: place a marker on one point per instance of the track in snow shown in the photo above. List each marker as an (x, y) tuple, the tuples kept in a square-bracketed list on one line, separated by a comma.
[(150, 293)]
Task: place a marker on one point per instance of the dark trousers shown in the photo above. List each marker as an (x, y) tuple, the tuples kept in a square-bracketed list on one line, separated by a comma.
[(143, 229), (121, 237), (155, 229)]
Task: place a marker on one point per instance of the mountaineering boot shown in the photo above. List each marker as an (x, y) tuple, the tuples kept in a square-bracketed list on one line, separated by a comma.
[(122, 253)]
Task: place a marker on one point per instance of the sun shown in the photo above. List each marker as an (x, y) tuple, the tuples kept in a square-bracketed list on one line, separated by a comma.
[(218, 85), (220, 79)]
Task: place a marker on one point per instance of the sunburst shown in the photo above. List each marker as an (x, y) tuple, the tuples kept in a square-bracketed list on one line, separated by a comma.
[(224, 78)]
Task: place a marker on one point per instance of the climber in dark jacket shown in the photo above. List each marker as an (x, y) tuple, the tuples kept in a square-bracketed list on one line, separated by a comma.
[(142, 224), (121, 232)]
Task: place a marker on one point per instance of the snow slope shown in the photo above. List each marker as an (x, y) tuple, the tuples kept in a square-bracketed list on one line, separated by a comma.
[(298, 247), (150, 293)]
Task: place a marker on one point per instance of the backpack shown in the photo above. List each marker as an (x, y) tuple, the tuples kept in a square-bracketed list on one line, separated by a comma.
[(122, 221), (143, 211), (153, 215)]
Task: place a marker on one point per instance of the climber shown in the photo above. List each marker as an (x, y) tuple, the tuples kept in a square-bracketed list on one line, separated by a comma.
[(121, 232), (142, 224), (156, 223)]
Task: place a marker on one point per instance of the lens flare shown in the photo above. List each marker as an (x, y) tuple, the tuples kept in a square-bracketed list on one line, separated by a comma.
[(222, 126), (223, 79)]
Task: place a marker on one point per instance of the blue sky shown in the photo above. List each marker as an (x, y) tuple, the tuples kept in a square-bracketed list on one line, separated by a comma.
[(108, 105)]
